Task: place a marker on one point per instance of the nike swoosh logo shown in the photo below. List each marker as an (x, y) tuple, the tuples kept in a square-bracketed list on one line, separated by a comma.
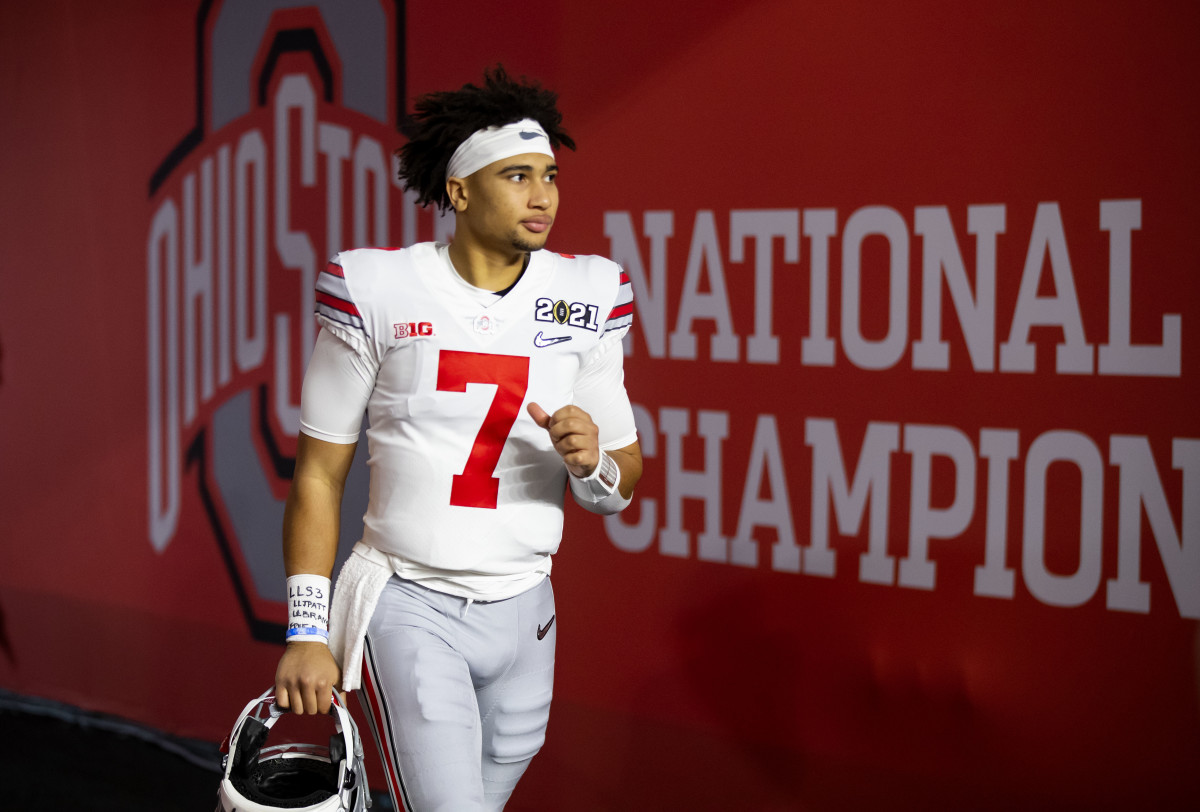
[(543, 629), (528, 136), (540, 340)]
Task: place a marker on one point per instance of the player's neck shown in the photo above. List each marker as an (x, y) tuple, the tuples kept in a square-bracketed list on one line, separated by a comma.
[(487, 269)]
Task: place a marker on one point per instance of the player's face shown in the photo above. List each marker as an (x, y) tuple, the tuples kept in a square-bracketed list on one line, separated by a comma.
[(512, 202)]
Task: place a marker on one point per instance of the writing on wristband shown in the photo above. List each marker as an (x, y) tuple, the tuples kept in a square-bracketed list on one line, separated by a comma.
[(308, 607)]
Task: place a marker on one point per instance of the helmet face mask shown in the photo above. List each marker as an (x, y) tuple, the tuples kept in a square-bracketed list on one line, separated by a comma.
[(293, 776)]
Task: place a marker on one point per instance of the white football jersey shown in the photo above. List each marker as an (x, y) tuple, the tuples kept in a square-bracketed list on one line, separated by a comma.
[(466, 490)]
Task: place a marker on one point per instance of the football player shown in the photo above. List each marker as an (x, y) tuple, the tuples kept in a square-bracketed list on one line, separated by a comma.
[(491, 373)]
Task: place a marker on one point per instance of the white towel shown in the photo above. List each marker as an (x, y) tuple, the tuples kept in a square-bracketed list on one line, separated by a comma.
[(358, 588)]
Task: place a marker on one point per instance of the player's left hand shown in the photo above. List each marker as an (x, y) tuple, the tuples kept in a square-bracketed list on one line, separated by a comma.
[(575, 437)]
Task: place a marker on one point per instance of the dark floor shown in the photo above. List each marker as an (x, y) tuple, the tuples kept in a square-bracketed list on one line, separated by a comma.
[(77, 765), (55, 764)]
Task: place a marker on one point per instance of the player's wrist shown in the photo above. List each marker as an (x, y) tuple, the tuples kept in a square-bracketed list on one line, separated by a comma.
[(308, 609), (601, 482), (599, 491)]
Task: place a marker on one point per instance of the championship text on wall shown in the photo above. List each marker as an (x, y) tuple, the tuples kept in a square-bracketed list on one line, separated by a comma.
[(1000, 476)]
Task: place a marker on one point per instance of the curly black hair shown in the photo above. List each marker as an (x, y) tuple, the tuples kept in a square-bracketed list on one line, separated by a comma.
[(445, 119)]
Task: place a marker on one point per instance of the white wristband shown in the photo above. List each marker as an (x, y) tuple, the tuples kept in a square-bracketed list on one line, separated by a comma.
[(598, 492), (308, 608), (599, 483)]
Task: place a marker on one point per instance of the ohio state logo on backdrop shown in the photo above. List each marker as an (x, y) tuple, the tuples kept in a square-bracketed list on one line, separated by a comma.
[(289, 162)]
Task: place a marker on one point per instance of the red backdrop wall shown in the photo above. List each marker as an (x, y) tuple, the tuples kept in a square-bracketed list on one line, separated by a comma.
[(914, 360)]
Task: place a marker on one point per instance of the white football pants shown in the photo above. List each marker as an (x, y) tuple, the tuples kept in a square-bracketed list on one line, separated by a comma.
[(458, 693)]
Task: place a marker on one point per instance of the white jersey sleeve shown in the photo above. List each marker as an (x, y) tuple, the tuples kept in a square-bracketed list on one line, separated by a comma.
[(600, 385), (337, 311), (337, 386), (600, 391)]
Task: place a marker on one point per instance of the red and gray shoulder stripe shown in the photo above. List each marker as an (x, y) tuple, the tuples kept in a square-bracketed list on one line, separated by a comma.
[(333, 298), (622, 313)]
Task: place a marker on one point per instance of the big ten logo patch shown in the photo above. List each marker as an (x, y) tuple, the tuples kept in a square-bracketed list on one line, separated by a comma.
[(290, 160), (412, 329)]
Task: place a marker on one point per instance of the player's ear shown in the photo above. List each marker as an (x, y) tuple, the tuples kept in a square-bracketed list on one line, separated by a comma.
[(456, 190)]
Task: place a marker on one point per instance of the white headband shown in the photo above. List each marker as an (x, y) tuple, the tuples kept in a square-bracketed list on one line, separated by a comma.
[(494, 143)]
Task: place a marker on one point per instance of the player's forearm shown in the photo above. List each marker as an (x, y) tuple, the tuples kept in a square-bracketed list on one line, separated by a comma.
[(311, 517), (311, 522), (629, 461)]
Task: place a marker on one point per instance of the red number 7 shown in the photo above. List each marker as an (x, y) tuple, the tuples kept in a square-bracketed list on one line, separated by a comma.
[(477, 486)]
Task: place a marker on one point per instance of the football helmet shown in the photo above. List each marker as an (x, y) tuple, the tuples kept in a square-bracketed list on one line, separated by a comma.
[(300, 777)]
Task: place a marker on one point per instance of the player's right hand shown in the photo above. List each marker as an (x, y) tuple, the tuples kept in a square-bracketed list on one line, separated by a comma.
[(305, 678)]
